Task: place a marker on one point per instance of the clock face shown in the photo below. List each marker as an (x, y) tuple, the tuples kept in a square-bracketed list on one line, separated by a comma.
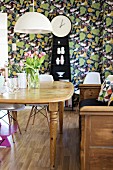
[(61, 26)]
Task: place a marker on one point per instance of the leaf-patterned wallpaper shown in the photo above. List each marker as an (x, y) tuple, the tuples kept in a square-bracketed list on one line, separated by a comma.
[(90, 40)]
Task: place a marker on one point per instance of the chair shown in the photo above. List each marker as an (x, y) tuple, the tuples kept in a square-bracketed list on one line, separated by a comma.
[(91, 78), (38, 108), (10, 108)]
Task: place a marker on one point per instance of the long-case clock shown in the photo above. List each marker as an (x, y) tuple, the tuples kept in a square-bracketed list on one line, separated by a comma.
[(60, 63)]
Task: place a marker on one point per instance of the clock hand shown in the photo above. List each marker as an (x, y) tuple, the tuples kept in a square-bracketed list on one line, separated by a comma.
[(62, 25)]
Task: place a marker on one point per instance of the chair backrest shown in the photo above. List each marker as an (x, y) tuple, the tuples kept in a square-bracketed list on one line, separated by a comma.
[(92, 78), (46, 78)]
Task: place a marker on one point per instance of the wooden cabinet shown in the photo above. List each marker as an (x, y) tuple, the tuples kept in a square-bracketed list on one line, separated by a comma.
[(96, 145), (60, 63), (88, 91), (96, 138)]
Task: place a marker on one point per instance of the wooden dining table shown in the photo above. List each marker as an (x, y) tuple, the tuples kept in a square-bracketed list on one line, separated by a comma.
[(54, 94)]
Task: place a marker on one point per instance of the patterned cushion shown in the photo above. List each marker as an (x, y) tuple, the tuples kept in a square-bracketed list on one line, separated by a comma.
[(106, 91)]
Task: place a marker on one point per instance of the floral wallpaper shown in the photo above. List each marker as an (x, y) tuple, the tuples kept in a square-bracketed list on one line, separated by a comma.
[(90, 40)]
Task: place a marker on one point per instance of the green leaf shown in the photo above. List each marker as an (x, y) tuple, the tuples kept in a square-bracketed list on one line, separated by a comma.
[(71, 52), (82, 36), (108, 48), (96, 65), (72, 18), (97, 13), (107, 74), (82, 10), (20, 44), (46, 64), (21, 1), (77, 20), (81, 61), (96, 5), (21, 52), (96, 39), (95, 31), (95, 57), (44, 6), (32, 36), (108, 21), (27, 45), (52, 7), (9, 48), (46, 39), (71, 44), (72, 1), (77, 71), (77, 45), (46, 13)]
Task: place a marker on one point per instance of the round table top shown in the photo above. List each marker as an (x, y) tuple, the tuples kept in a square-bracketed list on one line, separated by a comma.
[(48, 92)]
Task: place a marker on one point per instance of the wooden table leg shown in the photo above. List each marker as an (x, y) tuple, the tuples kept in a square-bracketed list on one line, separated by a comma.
[(61, 111), (53, 108)]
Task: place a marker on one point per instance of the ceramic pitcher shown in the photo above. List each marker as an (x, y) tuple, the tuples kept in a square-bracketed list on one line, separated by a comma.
[(22, 81)]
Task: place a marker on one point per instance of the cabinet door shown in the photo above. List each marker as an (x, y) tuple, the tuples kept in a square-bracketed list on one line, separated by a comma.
[(98, 142)]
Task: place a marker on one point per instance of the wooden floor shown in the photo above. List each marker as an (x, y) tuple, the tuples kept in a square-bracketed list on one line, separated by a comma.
[(31, 149)]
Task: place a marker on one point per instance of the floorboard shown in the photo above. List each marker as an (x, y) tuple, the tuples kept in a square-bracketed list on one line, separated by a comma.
[(31, 149)]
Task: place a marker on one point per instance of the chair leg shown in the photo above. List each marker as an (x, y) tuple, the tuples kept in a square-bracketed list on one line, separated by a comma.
[(46, 114), (10, 124), (13, 138), (35, 108), (14, 113), (9, 117), (29, 117)]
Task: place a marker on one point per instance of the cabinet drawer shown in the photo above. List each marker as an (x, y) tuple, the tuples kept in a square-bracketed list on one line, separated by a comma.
[(101, 131), (90, 93), (101, 159)]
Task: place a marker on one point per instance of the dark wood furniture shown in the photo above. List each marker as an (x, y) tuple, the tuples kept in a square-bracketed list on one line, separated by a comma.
[(96, 132)]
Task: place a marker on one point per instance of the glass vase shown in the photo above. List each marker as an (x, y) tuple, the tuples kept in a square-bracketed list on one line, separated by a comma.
[(33, 79)]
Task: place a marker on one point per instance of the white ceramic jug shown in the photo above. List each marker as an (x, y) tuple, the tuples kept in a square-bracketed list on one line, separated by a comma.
[(22, 81)]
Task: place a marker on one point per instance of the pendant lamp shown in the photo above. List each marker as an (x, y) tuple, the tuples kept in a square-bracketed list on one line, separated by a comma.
[(33, 23)]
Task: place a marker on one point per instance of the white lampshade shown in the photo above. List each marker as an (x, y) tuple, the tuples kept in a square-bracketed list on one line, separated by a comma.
[(33, 23)]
